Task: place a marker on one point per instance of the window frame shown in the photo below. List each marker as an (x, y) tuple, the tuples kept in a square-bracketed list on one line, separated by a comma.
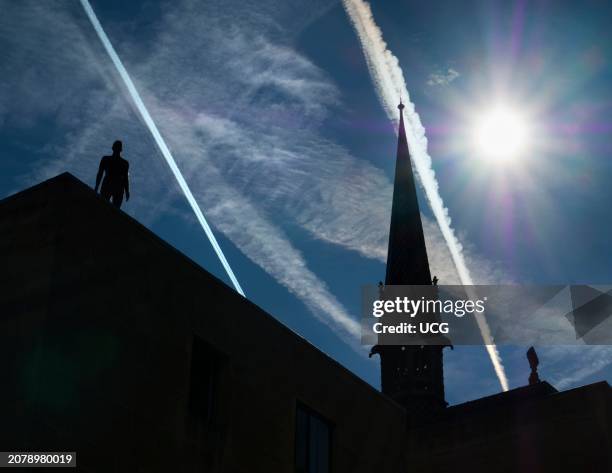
[(310, 412), (205, 415)]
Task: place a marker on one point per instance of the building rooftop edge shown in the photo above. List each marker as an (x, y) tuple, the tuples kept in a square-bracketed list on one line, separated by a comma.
[(70, 179)]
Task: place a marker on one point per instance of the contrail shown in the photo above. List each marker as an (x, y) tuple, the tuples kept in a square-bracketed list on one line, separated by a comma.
[(389, 81), (165, 151)]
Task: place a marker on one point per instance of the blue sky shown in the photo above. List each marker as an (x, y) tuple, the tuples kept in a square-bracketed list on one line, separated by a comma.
[(272, 115)]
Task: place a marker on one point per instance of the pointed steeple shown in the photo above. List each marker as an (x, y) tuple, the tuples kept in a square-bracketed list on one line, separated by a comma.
[(412, 375), (407, 261)]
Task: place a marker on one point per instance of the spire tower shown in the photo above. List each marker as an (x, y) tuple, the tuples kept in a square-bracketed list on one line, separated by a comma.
[(411, 375)]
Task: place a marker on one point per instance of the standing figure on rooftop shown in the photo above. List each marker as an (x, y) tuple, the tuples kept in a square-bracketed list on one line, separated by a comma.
[(116, 179)]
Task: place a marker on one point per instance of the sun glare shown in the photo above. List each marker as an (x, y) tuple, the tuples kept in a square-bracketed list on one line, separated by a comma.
[(501, 134)]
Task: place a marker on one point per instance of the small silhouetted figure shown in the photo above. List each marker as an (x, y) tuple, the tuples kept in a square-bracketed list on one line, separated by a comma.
[(116, 180), (532, 357)]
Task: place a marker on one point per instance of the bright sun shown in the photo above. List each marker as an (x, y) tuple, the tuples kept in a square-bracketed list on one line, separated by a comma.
[(501, 134)]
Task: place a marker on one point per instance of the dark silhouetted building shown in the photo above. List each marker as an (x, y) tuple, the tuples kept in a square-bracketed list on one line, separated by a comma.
[(116, 346), (533, 428)]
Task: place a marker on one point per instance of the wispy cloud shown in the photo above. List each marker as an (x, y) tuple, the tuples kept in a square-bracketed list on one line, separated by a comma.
[(442, 78), (243, 122), (46, 58), (569, 366), (208, 138)]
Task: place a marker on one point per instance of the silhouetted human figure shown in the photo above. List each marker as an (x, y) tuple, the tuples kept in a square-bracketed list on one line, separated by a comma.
[(532, 357), (116, 180)]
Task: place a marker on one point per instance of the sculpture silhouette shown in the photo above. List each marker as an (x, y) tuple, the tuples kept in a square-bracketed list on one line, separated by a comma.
[(116, 179), (532, 357)]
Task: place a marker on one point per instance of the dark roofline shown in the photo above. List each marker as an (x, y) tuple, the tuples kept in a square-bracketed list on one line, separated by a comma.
[(39, 186), (597, 385), (69, 179), (520, 394)]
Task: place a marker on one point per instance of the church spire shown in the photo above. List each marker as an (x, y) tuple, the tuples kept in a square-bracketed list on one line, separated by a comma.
[(413, 374), (407, 261)]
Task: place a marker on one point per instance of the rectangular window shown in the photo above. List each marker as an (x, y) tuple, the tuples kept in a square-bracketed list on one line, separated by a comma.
[(204, 376), (312, 442)]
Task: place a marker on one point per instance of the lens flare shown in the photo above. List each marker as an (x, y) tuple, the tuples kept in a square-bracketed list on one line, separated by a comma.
[(501, 134)]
